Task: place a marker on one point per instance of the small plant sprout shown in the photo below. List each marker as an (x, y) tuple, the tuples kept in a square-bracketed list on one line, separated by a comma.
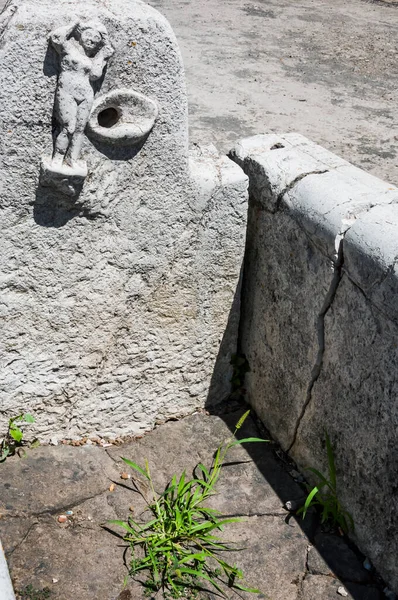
[(14, 435), (324, 495), (177, 544)]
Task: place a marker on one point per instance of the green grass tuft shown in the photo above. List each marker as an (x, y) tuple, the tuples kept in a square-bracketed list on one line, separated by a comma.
[(178, 546), (324, 496)]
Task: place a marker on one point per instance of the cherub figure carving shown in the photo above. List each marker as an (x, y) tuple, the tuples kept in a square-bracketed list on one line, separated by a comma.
[(84, 50)]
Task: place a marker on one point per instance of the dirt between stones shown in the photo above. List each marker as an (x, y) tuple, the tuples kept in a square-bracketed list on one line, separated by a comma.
[(55, 505)]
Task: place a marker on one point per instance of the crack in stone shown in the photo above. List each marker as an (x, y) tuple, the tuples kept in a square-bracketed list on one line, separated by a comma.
[(302, 577), (316, 370), (241, 515), (373, 304), (19, 544), (56, 509), (291, 185)]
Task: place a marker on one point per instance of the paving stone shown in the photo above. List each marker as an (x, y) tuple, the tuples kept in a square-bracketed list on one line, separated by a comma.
[(88, 561), (241, 488), (333, 554), (50, 478), (86, 564), (316, 587)]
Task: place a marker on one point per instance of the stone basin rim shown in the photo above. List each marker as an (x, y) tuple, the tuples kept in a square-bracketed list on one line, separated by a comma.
[(133, 118)]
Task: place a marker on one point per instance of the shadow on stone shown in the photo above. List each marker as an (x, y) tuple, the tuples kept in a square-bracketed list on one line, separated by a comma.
[(117, 152), (341, 561), (52, 208)]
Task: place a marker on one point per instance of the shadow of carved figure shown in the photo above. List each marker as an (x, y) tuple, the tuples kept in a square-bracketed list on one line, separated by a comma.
[(84, 50)]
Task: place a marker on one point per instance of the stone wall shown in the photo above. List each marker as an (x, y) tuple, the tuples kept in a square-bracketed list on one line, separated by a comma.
[(320, 323), (120, 251)]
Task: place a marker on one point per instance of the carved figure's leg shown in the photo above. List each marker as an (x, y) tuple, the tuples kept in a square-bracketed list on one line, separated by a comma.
[(65, 110), (83, 113)]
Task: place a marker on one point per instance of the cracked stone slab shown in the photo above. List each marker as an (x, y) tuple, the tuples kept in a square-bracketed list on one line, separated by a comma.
[(355, 398), (332, 555), (287, 281), (252, 481), (85, 562), (319, 326), (323, 192), (50, 478), (275, 162), (315, 587), (286, 165)]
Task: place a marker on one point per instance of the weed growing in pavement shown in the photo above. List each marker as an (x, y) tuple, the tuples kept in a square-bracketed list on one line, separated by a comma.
[(14, 436), (177, 546), (29, 593), (324, 495)]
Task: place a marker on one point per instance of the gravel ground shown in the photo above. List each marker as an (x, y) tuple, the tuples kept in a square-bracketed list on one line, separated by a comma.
[(327, 70)]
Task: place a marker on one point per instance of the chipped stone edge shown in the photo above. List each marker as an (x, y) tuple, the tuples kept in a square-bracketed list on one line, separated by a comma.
[(290, 173)]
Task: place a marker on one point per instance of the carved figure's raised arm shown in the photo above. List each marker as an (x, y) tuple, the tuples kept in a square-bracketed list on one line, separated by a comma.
[(61, 35), (100, 60)]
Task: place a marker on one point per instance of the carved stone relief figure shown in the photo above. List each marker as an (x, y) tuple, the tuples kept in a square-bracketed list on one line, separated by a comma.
[(84, 50)]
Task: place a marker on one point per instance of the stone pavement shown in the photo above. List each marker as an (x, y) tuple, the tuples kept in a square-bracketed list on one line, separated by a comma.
[(287, 559)]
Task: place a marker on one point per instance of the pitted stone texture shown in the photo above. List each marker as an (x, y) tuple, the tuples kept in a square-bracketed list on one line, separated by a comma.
[(355, 398), (115, 308), (320, 323), (315, 587), (78, 474), (279, 333)]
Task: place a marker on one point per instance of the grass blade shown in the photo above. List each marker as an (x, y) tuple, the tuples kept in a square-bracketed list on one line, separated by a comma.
[(246, 441), (202, 576), (308, 501), (133, 465)]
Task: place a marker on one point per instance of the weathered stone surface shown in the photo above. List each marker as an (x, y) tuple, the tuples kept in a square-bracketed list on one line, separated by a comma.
[(86, 560), (53, 478), (370, 257), (279, 320), (315, 587), (82, 562), (115, 298), (276, 561), (355, 398), (332, 555), (13, 531), (320, 323), (240, 489)]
